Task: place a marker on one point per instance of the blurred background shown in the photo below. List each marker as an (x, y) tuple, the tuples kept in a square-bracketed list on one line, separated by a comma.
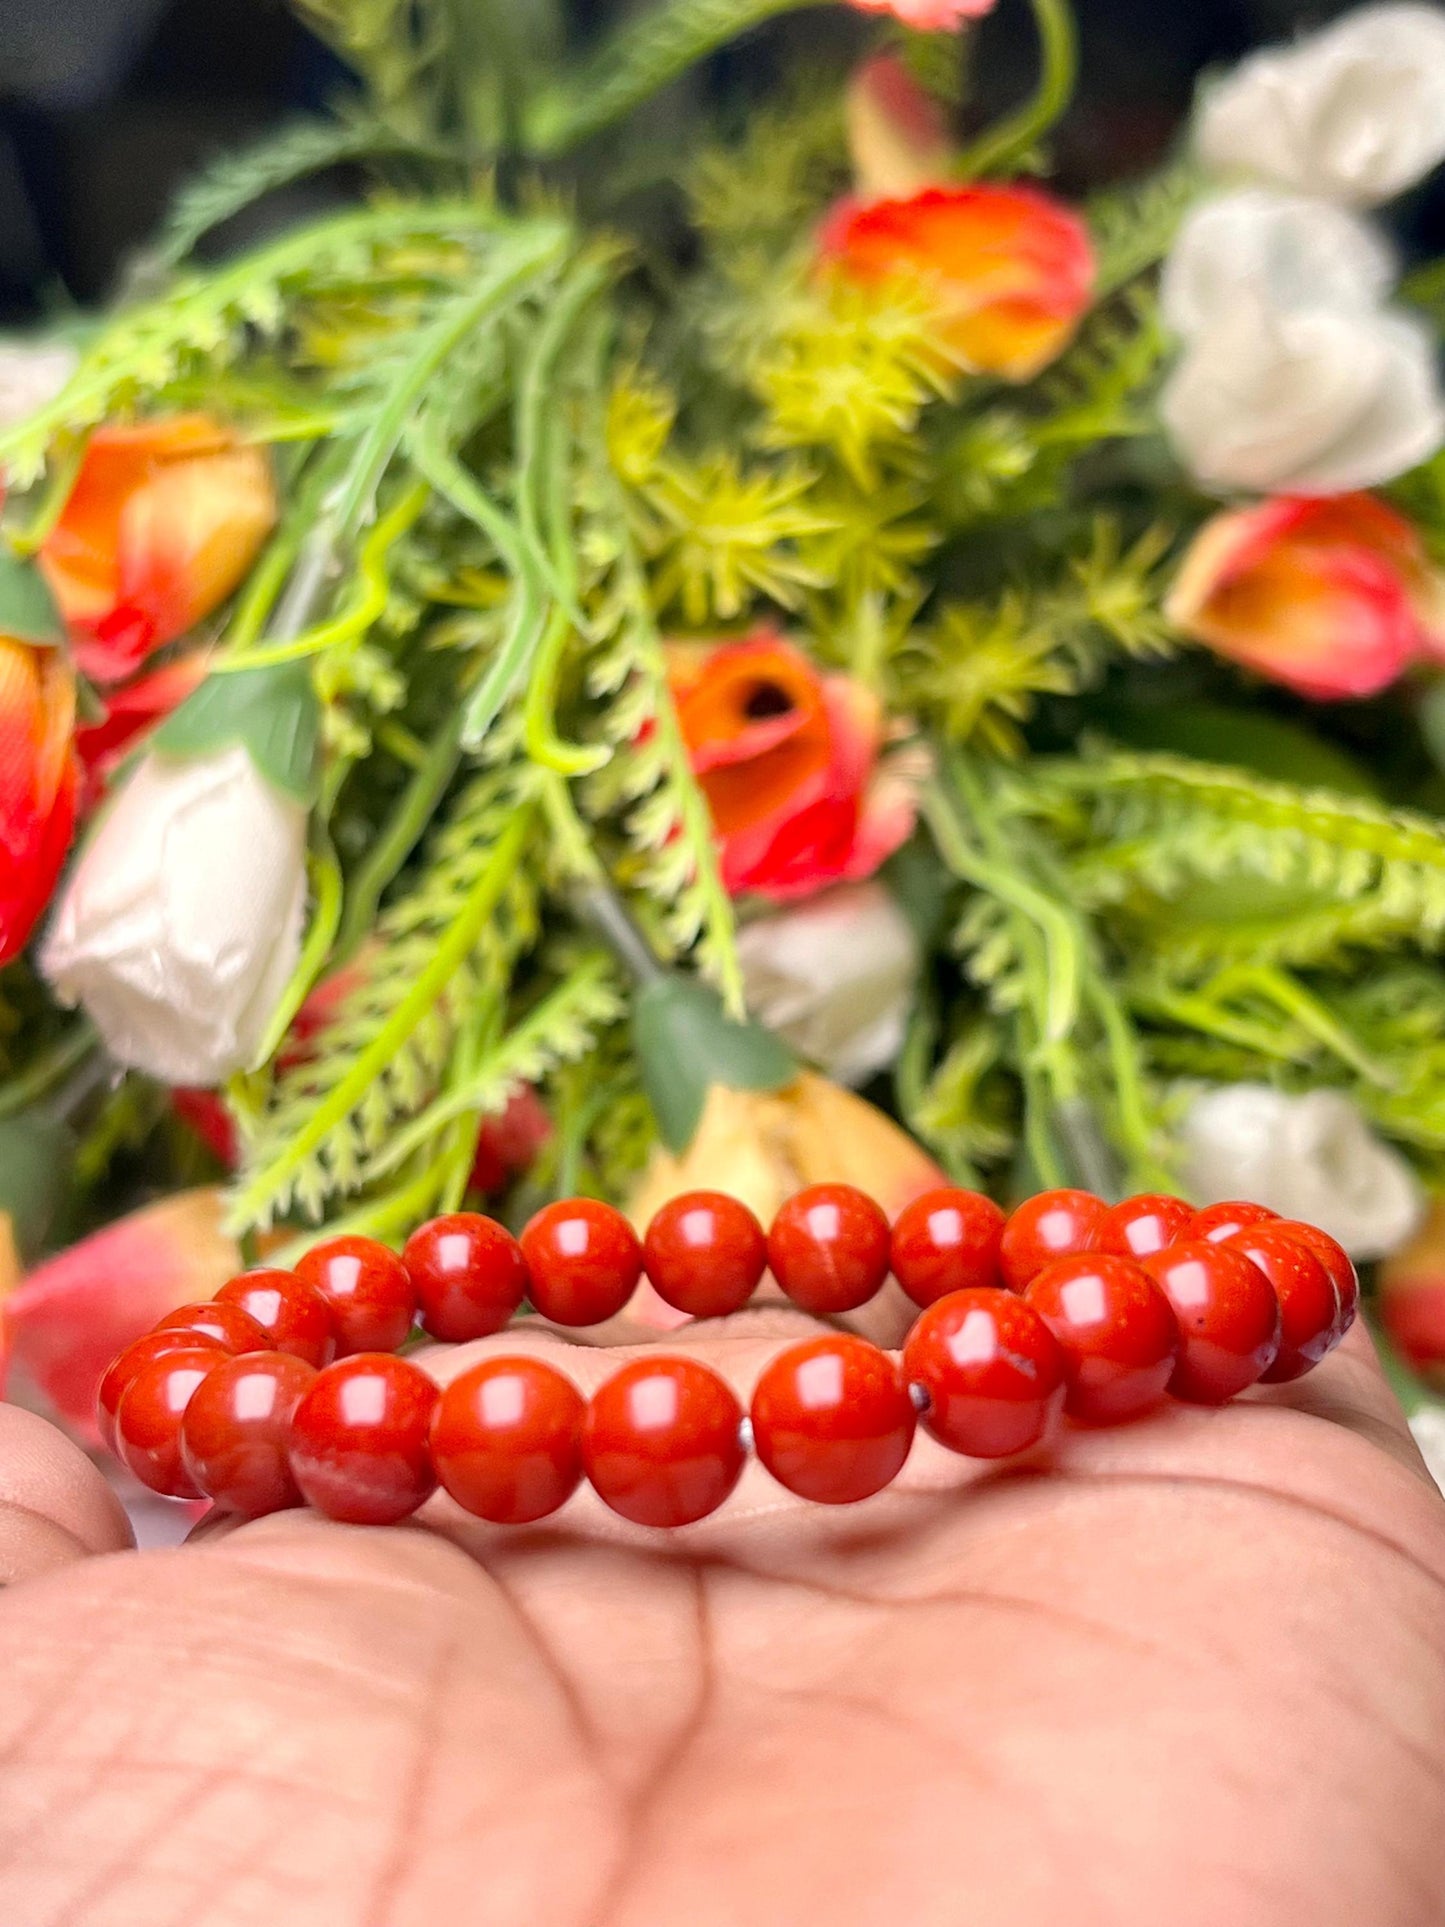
[(106, 105)]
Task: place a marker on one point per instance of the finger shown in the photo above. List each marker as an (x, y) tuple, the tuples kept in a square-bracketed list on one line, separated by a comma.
[(1350, 1389), (55, 1507)]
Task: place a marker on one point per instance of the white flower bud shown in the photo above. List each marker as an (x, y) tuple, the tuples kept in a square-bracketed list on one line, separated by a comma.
[(1312, 1157), (180, 924)]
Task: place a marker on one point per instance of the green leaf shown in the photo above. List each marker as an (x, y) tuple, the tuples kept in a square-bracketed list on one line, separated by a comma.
[(27, 608), (37, 1156), (1243, 739), (685, 1044), (273, 712)]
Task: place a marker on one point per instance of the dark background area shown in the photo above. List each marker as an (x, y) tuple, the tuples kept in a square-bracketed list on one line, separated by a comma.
[(105, 105)]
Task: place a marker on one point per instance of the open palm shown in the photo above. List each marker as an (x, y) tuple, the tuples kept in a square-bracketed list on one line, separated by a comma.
[(1190, 1671)]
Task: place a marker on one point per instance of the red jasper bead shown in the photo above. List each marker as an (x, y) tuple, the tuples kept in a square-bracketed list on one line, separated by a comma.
[(468, 1273), (1053, 1225), (1337, 1262), (233, 1329), (584, 1259), (1119, 1336), (832, 1419), (993, 1371), (123, 1368), (1216, 1222), (1309, 1306), (1140, 1226), (148, 1418), (293, 1314), (1228, 1318), (506, 1440), (947, 1241), (661, 1441), (828, 1248), (359, 1440), (234, 1437), (367, 1291), (704, 1254)]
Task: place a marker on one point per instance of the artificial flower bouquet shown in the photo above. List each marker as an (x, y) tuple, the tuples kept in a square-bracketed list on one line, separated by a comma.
[(608, 660)]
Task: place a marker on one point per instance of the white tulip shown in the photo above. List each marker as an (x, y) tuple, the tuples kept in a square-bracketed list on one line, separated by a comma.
[(834, 976), (1428, 1426), (180, 923), (1312, 1157), (1309, 401), (1355, 113), (1284, 250), (32, 373)]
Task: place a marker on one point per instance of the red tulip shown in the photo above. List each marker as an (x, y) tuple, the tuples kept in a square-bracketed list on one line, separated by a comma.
[(37, 784), (1012, 269), (929, 16)]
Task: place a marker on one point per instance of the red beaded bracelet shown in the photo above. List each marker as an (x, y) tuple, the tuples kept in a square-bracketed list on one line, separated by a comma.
[(285, 1389)]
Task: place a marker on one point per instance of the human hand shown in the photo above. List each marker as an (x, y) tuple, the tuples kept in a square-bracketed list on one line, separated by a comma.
[(1190, 1670)]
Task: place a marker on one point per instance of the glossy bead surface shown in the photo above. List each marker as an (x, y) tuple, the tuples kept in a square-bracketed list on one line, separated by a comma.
[(828, 1248), (233, 1329), (993, 1371), (1043, 1229), (1309, 1305), (359, 1440), (148, 1418), (1228, 1319), (506, 1440), (704, 1253), (832, 1419), (123, 1368), (235, 1435), (1216, 1222), (584, 1259), (1140, 1226), (468, 1273), (293, 1314), (661, 1442), (367, 1291), (1118, 1334), (1337, 1263), (947, 1241)]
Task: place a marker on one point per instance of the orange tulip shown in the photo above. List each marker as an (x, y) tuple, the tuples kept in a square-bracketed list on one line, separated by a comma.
[(789, 761), (163, 522), (1412, 1299), (67, 1320), (897, 135), (1332, 597), (1012, 269), (37, 784)]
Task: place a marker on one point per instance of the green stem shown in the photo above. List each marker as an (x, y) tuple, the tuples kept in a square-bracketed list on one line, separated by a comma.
[(642, 57), (401, 834), (447, 959), (326, 888), (1005, 145), (48, 1070)]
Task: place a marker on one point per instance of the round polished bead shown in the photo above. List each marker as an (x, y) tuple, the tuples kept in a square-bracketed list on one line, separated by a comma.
[(947, 1241), (1118, 1334), (1309, 1306), (584, 1260), (993, 1371), (506, 1440), (359, 1440), (123, 1368), (148, 1418), (1140, 1226), (704, 1253), (367, 1291), (236, 1431), (828, 1248), (1228, 1319), (468, 1273), (832, 1419), (1216, 1222), (233, 1329), (1053, 1225), (662, 1441), (293, 1314), (1337, 1263)]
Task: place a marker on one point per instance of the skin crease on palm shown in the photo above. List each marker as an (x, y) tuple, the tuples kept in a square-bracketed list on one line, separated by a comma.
[(1188, 1671)]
